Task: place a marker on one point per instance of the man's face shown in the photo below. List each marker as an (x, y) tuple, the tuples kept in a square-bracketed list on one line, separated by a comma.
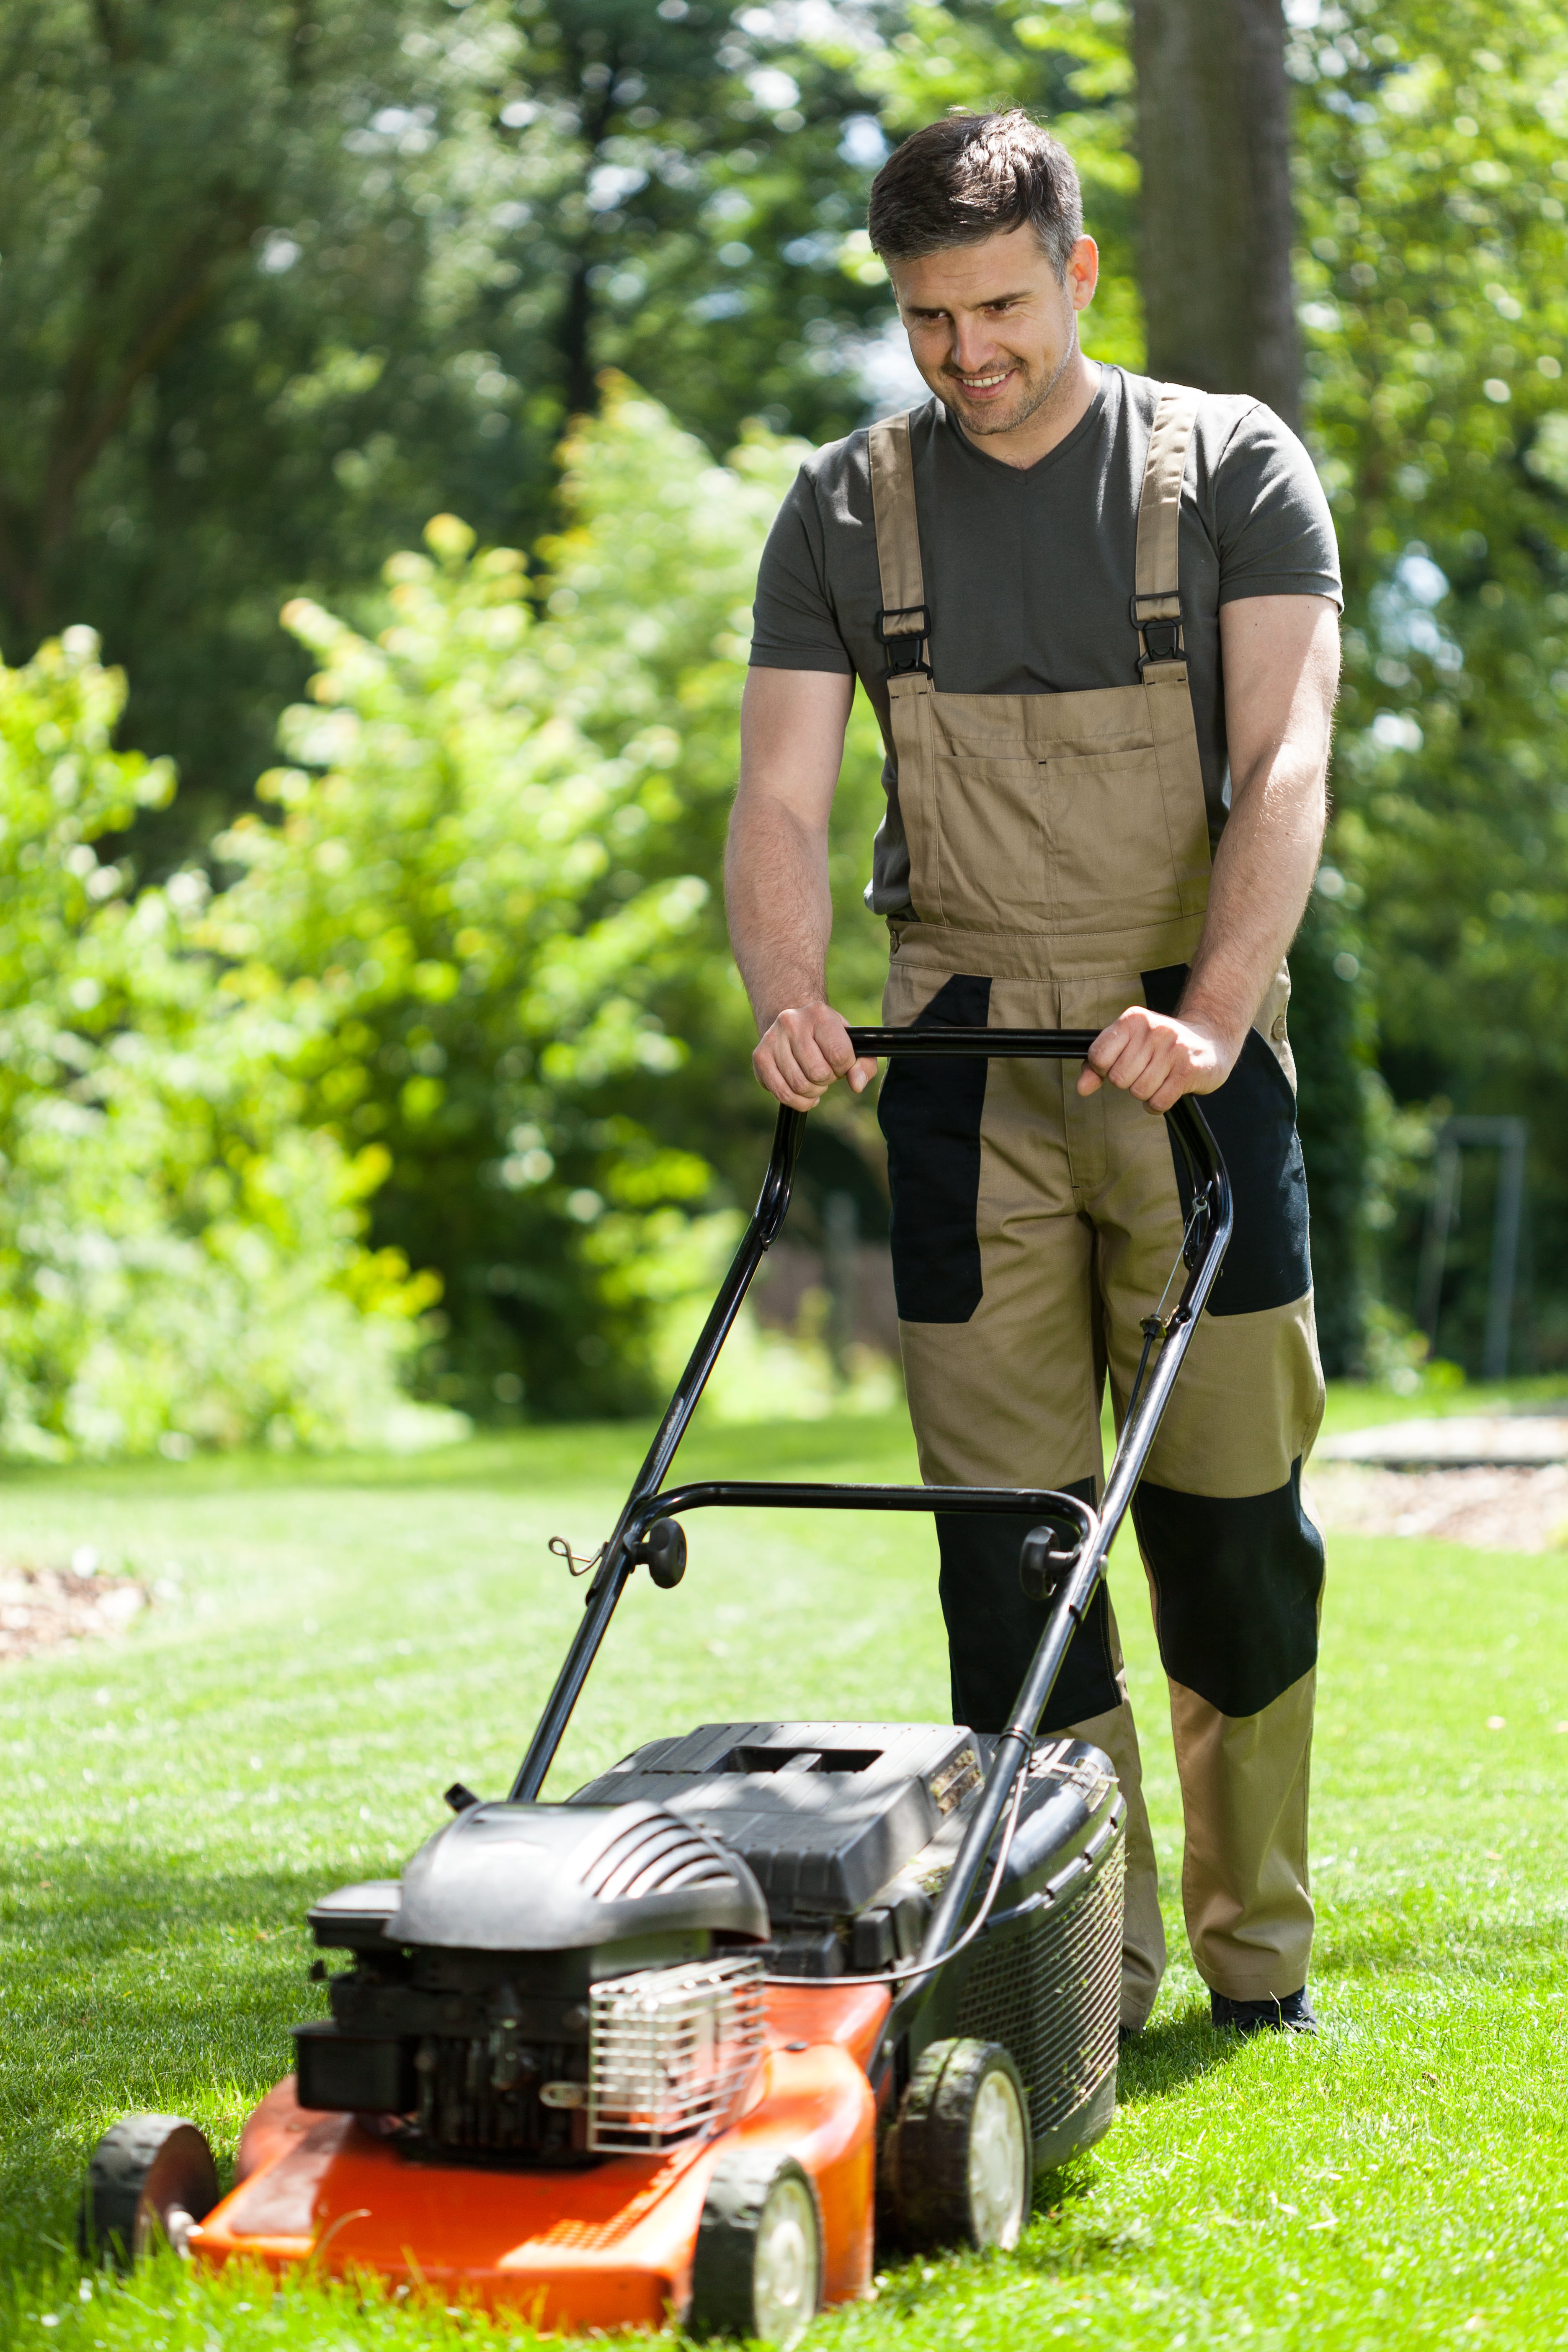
[(991, 326)]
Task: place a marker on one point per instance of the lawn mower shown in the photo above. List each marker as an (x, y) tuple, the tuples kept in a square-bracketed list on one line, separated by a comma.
[(763, 1998)]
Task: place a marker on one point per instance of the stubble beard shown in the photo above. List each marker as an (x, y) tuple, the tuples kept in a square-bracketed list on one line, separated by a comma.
[(1030, 401)]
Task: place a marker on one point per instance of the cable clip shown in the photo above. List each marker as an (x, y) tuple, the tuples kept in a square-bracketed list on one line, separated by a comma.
[(578, 1563)]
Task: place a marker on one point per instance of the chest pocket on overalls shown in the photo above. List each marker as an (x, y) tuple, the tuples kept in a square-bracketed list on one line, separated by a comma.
[(1077, 819), (1056, 813)]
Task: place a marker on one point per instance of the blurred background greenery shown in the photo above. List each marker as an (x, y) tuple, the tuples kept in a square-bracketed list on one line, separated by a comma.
[(480, 338)]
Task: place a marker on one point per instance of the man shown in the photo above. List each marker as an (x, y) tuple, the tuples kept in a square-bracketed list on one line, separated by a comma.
[(1097, 618)]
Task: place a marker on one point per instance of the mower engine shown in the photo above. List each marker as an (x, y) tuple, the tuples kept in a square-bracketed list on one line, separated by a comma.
[(548, 1985), (553, 1984), (851, 1829)]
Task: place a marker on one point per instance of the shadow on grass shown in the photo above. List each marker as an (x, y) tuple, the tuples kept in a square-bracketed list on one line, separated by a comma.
[(1164, 2057)]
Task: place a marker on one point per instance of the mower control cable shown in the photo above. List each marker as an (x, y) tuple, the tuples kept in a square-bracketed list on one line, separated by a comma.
[(1159, 1325)]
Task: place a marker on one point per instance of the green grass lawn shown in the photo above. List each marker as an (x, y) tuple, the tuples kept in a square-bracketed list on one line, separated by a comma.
[(337, 1640)]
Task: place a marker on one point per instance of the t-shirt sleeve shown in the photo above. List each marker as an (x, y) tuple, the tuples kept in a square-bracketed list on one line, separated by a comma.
[(792, 622), (1276, 534)]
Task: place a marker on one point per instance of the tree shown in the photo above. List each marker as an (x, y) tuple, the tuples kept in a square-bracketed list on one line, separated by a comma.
[(1434, 192), (174, 410), (281, 282), (1214, 152), (681, 199)]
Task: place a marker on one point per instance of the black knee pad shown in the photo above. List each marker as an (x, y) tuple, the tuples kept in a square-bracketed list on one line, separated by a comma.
[(1236, 1584), (993, 1629)]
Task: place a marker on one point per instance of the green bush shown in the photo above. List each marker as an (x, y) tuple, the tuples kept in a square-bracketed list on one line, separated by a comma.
[(180, 1258), (451, 882), (489, 869)]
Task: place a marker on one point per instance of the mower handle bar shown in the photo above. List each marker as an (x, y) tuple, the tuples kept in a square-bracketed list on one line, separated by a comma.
[(1090, 1533)]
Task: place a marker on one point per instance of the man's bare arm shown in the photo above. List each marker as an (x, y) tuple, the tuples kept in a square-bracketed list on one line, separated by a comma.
[(1281, 657), (776, 878)]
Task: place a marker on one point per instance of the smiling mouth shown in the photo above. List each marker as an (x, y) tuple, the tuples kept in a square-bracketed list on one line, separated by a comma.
[(981, 386)]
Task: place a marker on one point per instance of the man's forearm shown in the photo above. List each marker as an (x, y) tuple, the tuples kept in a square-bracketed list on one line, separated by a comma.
[(779, 906), (1263, 874), (777, 890)]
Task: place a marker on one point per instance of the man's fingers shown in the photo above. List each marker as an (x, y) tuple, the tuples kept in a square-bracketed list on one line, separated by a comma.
[(1139, 1054), (832, 1041), (778, 1070), (1160, 1062), (1100, 1059), (804, 1051), (1155, 1059), (808, 1056), (794, 1066), (772, 1080)]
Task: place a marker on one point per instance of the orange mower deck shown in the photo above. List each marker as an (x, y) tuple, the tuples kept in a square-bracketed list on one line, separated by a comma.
[(608, 2247)]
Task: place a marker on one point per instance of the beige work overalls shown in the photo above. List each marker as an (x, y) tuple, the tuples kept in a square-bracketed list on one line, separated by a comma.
[(1059, 868)]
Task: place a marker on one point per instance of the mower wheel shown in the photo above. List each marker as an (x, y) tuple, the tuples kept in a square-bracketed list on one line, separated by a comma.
[(149, 2180), (757, 2271), (957, 2167)]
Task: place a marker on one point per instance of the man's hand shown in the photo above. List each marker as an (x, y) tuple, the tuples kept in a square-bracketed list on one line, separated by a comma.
[(1158, 1058), (800, 1053)]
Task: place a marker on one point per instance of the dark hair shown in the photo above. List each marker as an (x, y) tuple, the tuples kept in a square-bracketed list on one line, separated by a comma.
[(972, 176)]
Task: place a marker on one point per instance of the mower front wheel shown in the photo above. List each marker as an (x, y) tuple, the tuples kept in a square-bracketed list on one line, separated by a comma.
[(757, 2271), (149, 2180), (957, 2167)]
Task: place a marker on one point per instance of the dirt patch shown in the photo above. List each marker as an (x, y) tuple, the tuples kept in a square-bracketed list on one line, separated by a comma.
[(60, 1608), (1494, 1508)]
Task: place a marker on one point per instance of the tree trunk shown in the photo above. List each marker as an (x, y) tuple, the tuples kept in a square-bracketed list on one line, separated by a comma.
[(575, 341), (1213, 141)]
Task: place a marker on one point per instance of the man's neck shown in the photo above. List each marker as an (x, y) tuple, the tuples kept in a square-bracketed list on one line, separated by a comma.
[(1065, 407)]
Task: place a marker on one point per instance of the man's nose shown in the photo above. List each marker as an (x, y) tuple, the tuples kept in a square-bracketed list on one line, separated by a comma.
[(973, 348)]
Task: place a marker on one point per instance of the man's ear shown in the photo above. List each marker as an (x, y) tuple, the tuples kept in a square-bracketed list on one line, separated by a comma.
[(1083, 272)]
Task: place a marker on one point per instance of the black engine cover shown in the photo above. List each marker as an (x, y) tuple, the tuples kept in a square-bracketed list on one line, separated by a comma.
[(550, 1878), (824, 1814)]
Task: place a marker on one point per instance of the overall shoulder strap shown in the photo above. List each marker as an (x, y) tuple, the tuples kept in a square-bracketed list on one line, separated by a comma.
[(903, 623), (1156, 605)]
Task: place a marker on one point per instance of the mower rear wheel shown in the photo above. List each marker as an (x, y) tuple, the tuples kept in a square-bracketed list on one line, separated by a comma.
[(149, 2180), (757, 2271), (957, 2167)]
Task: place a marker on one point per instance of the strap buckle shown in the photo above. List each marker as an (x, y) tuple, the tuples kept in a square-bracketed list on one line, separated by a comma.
[(905, 646), (1161, 637)]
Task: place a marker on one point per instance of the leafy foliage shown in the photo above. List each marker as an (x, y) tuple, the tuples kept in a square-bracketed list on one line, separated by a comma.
[(180, 1261), (488, 874), (1434, 208)]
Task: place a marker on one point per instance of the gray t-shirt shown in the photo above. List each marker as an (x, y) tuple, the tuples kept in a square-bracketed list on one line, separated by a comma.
[(1028, 572)]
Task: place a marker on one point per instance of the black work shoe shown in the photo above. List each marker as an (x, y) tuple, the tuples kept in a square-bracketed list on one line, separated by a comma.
[(1291, 2015)]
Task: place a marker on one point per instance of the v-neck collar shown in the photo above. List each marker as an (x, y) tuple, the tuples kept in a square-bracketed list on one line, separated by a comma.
[(1093, 416)]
